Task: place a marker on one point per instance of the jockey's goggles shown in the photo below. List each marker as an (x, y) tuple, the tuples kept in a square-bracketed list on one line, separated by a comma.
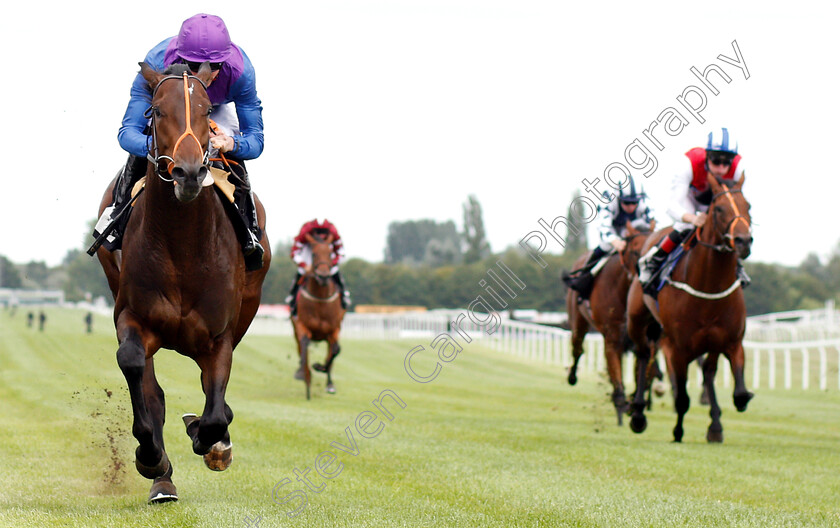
[(720, 158), (194, 66)]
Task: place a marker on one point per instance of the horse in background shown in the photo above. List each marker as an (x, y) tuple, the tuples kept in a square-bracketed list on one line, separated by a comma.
[(701, 309), (605, 311), (179, 281), (319, 312)]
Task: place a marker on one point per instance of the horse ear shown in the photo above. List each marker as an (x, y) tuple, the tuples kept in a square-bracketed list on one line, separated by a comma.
[(630, 229), (713, 183), (329, 239), (148, 73), (309, 238), (205, 74), (653, 225), (741, 181)]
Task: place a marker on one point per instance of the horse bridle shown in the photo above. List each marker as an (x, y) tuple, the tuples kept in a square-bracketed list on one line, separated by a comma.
[(636, 252), (728, 235), (152, 113), (316, 264)]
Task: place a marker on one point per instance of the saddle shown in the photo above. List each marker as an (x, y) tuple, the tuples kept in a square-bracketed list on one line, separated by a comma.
[(220, 181), (582, 280), (660, 278)]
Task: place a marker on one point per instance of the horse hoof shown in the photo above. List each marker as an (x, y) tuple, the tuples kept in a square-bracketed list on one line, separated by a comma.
[(220, 456), (714, 437), (299, 374), (163, 491), (741, 401), (678, 435), (659, 388), (189, 419), (152, 472), (330, 388), (319, 367), (308, 397), (572, 378), (638, 424)]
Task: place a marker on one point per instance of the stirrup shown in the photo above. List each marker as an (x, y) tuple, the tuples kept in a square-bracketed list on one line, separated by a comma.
[(253, 256)]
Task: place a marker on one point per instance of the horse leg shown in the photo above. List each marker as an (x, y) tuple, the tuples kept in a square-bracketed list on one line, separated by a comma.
[(704, 395), (715, 432), (303, 372), (150, 458), (209, 432), (681, 399), (333, 349), (578, 335), (163, 490), (741, 397), (638, 422), (612, 352)]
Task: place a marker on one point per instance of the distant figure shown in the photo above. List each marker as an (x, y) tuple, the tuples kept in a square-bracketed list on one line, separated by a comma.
[(89, 322), (30, 318), (42, 318), (14, 310)]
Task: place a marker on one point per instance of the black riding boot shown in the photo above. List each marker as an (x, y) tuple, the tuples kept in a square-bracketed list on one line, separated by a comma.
[(291, 299), (651, 261), (581, 279), (115, 217), (345, 295), (249, 237)]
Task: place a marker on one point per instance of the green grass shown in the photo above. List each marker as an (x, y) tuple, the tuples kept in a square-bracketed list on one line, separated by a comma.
[(493, 441)]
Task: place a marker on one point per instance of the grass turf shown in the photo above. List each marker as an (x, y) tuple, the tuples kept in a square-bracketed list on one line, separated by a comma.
[(492, 441)]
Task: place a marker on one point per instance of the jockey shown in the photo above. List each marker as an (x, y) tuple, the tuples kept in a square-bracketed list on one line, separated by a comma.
[(302, 256), (690, 199), (630, 207), (238, 133)]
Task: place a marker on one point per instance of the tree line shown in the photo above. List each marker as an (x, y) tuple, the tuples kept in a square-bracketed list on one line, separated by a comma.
[(432, 264)]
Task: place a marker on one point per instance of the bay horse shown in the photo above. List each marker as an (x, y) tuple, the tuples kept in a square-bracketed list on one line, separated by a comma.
[(319, 312), (701, 309), (605, 311), (179, 281)]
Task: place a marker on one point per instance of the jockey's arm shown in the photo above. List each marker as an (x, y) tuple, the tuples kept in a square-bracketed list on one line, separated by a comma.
[(680, 206), (606, 230), (338, 252), (249, 144), (132, 135), (646, 212)]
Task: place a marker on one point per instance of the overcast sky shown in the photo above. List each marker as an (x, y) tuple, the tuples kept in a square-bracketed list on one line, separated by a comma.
[(379, 111)]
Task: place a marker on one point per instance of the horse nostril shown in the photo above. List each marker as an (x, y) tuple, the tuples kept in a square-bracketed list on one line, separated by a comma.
[(743, 241)]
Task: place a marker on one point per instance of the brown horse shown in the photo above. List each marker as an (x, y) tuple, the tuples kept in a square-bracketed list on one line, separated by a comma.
[(319, 312), (700, 310), (179, 281), (605, 311)]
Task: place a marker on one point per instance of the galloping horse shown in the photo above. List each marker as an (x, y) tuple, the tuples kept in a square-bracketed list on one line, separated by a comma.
[(700, 310), (606, 312), (319, 312), (180, 280)]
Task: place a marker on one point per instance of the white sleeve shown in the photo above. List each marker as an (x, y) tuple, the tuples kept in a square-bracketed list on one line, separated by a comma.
[(680, 203), (606, 230), (740, 171)]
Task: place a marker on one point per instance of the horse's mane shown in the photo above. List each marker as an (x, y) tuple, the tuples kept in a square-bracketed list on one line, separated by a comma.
[(727, 183), (177, 69)]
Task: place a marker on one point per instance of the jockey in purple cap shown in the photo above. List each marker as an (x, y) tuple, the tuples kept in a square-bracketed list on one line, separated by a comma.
[(237, 113)]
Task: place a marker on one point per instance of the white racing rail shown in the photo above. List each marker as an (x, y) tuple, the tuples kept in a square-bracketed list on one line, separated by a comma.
[(783, 350)]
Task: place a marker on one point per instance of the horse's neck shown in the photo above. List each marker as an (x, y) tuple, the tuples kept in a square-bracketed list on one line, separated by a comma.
[(313, 287), (708, 269), (184, 229)]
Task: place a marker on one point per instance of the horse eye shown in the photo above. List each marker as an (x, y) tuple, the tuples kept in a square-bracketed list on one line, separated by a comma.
[(157, 111), (718, 209)]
